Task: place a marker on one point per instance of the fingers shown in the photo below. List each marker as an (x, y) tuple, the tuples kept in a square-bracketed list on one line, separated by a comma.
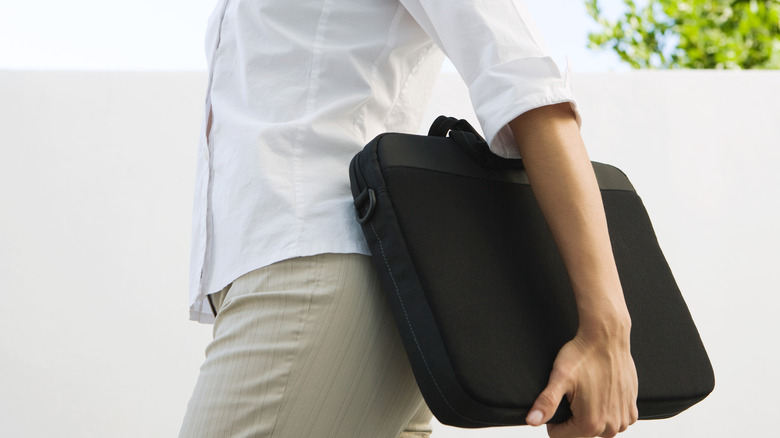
[(577, 428), (547, 403), (600, 383), (590, 426)]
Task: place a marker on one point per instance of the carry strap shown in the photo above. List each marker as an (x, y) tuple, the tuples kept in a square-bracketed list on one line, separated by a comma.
[(469, 140), (443, 125)]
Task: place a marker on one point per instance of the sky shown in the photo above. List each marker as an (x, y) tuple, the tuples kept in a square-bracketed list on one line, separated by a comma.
[(168, 34)]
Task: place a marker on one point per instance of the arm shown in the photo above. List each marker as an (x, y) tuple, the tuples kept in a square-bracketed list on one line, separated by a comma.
[(595, 370)]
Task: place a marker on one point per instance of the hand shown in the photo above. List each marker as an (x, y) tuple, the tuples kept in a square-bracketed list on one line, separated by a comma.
[(598, 377), (594, 370)]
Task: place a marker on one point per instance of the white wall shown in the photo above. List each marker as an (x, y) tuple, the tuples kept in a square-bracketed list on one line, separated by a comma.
[(95, 190)]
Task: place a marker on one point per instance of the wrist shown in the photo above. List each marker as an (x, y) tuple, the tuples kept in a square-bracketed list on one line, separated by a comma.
[(607, 322)]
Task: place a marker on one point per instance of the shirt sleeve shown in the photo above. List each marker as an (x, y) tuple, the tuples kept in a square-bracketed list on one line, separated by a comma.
[(500, 55)]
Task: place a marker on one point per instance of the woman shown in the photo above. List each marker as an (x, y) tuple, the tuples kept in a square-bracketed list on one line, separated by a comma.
[(304, 345)]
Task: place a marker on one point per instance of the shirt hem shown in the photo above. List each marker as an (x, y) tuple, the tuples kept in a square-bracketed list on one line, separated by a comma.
[(201, 312)]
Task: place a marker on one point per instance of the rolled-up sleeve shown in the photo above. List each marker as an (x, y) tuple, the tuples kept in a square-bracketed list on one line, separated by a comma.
[(499, 53)]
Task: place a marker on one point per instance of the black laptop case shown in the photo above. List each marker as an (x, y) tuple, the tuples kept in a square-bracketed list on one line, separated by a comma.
[(479, 293)]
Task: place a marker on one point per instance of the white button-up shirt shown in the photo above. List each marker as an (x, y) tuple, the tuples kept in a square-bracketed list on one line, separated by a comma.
[(297, 88)]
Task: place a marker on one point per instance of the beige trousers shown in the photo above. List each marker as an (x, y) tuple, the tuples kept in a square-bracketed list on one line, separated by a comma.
[(306, 347)]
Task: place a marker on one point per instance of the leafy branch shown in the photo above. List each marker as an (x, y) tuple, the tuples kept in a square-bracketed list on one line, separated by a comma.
[(692, 33)]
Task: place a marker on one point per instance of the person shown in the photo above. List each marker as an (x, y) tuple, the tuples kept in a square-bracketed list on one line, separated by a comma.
[(304, 345)]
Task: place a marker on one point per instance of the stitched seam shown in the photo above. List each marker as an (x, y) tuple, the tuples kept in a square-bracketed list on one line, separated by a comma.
[(311, 97), (414, 335), (303, 323), (497, 180), (384, 55), (412, 74)]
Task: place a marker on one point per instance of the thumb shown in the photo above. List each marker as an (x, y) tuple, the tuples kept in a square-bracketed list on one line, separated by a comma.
[(547, 403)]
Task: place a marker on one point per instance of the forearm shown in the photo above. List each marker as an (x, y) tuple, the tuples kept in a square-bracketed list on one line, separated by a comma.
[(566, 189)]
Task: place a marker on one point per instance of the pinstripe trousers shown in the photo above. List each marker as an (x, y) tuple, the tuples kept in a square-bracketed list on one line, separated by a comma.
[(306, 347)]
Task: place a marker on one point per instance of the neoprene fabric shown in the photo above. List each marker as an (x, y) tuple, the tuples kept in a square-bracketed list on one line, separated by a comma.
[(480, 294)]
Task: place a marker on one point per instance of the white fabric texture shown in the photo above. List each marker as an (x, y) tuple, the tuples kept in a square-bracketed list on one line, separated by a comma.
[(296, 89)]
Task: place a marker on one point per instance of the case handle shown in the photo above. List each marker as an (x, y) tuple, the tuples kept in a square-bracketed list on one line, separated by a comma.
[(469, 140)]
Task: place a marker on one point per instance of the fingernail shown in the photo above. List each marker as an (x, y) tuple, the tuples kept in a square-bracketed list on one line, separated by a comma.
[(535, 418)]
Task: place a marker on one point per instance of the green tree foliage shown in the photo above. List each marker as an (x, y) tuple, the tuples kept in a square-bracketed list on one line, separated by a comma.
[(692, 33)]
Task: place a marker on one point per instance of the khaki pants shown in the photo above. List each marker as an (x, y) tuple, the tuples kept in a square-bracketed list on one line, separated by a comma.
[(306, 347)]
